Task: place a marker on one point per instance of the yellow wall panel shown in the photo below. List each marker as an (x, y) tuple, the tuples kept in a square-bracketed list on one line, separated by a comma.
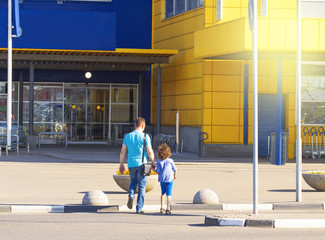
[(282, 13), (291, 151), (310, 37), (227, 67), (262, 84), (291, 34), (263, 34), (232, 3), (250, 117), (272, 84), (208, 67), (289, 84), (292, 135), (250, 135), (231, 13), (186, 102), (244, 11), (282, 4), (322, 35), (181, 42), (226, 83), (292, 101), (186, 117), (207, 99), (241, 117), (289, 68), (207, 83), (277, 34), (183, 72), (225, 117), (225, 134), (191, 117), (207, 117), (291, 118), (241, 135), (241, 100), (225, 100), (189, 86)]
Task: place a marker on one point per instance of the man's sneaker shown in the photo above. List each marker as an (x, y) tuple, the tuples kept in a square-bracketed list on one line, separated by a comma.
[(130, 202), (140, 212)]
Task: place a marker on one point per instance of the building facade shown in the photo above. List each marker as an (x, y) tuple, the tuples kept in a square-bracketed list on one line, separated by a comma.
[(62, 40), (210, 80)]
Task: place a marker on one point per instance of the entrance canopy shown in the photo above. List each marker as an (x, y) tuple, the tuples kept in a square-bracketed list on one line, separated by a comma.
[(119, 60)]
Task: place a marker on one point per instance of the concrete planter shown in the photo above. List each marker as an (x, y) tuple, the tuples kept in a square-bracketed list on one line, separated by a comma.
[(123, 181), (316, 181)]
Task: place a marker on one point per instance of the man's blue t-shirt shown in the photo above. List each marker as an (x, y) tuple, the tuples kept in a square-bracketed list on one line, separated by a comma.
[(134, 143)]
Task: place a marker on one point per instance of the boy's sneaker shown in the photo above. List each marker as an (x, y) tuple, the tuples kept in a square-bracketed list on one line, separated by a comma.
[(162, 211), (168, 212), (130, 202)]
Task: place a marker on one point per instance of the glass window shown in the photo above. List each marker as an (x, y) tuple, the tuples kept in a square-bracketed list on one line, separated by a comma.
[(74, 113), (174, 7), (180, 6), (98, 95), (48, 93), (123, 95), (75, 95), (169, 8), (47, 112), (123, 113), (313, 100)]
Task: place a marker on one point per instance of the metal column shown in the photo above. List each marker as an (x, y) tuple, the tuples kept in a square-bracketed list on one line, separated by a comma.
[(31, 99), (140, 94), (298, 108), (246, 84), (9, 76), (278, 159), (21, 100), (158, 99)]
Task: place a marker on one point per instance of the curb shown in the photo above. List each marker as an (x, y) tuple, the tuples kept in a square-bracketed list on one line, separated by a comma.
[(263, 223), (155, 208)]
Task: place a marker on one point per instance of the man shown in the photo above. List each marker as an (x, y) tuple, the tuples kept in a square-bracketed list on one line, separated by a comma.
[(133, 143)]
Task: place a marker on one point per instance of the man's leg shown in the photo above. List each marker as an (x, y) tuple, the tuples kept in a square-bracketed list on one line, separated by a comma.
[(142, 181), (132, 187)]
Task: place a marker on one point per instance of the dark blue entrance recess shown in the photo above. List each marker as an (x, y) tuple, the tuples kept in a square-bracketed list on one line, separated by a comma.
[(267, 119)]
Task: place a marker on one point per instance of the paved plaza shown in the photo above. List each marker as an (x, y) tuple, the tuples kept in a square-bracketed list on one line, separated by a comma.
[(59, 176)]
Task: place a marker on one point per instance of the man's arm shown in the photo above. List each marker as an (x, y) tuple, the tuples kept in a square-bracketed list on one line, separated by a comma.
[(151, 155), (122, 157)]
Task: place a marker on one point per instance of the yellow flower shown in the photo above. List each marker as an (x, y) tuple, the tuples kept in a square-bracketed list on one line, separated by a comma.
[(126, 172), (316, 172)]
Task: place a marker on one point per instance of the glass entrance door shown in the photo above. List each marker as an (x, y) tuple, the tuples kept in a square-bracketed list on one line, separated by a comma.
[(99, 113)]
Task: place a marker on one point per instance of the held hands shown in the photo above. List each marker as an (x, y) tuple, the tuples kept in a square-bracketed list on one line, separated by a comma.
[(153, 164), (122, 168)]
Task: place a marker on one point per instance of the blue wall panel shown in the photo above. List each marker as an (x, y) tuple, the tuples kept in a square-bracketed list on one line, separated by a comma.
[(83, 25)]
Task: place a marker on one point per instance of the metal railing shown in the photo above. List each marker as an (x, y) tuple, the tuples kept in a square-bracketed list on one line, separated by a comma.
[(52, 133), (170, 140)]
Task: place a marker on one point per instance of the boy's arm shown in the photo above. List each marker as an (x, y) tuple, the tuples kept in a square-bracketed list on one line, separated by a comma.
[(174, 175)]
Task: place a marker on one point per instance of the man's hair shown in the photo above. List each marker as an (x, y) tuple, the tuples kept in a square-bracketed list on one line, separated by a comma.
[(164, 151), (139, 122)]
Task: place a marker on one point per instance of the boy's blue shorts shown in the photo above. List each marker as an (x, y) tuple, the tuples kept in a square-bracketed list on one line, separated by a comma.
[(166, 187)]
